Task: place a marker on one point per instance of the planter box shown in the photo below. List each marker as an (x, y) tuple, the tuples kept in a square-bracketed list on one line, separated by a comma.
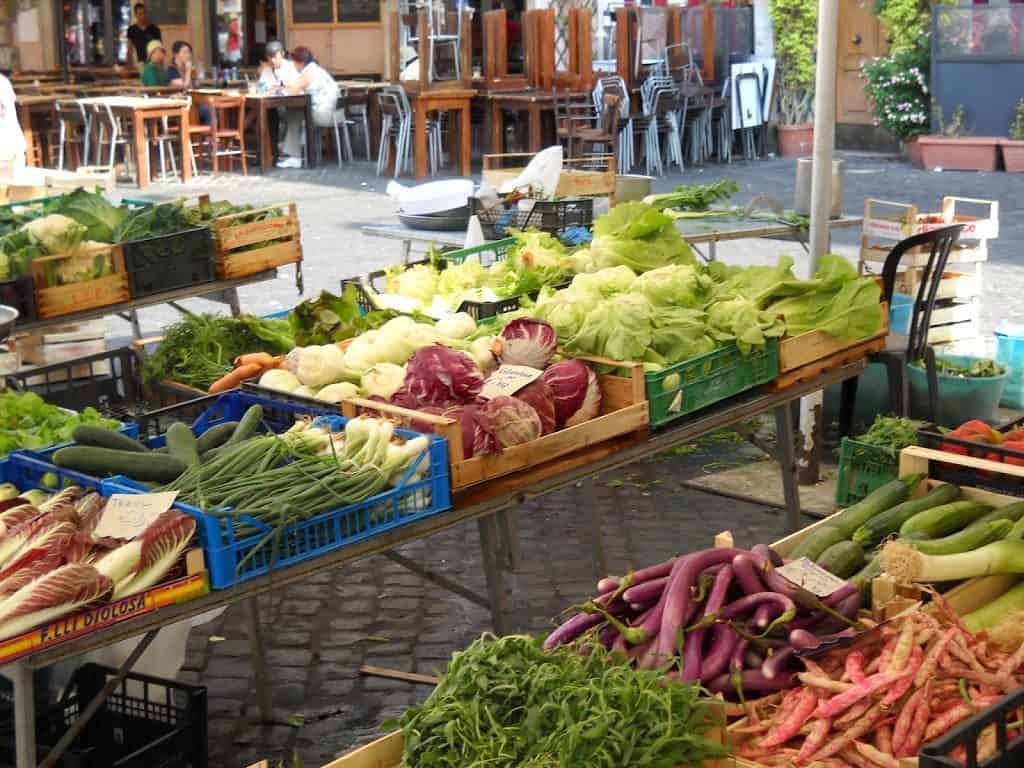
[(912, 149), (77, 297), (276, 234), (1013, 155), (796, 140), (970, 153)]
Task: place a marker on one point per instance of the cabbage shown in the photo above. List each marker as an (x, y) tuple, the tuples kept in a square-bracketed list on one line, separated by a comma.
[(418, 282), (527, 341), (511, 421), (383, 379), (457, 326), (604, 283), (621, 328), (440, 376), (638, 236), (279, 380), (538, 395), (681, 285), (741, 321), (680, 334), (575, 392), (336, 393), (565, 310), (456, 279), (55, 233), (100, 217), (535, 250), (632, 220), (476, 441)]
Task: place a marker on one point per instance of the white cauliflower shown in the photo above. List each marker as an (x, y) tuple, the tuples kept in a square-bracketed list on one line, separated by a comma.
[(56, 233), (318, 366), (279, 380)]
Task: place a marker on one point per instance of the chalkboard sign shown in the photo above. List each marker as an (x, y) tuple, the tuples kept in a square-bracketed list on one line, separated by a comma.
[(171, 12), (351, 11), (313, 11)]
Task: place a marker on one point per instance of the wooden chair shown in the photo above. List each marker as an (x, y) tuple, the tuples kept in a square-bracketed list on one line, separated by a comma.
[(198, 134), (605, 133), (227, 130)]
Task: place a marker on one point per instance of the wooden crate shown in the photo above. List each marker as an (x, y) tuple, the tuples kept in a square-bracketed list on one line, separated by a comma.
[(232, 234), (842, 357), (807, 348), (579, 178), (953, 285), (77, 297), (623, 410)]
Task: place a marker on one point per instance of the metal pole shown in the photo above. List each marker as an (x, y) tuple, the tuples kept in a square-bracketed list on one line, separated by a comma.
[(24, 715), (824, 140)]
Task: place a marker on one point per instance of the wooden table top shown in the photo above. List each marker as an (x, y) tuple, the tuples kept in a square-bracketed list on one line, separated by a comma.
[(32, 100), (529, 97), (134, 102)]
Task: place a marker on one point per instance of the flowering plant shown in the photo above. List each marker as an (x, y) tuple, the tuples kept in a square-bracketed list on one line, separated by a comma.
[(899, 89)]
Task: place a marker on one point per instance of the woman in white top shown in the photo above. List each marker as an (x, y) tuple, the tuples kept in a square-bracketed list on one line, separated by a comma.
[(12, 140), (318, 83)]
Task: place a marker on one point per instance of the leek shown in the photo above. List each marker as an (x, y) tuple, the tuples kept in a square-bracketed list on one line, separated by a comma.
[(906, 564), (1010, 602)]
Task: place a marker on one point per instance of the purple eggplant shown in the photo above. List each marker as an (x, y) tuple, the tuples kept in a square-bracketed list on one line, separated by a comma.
[(572, 629), (751, 659), (694, 648), (678, 604), (723, 642), (646, 591), (743, 606), (744, 566), (803, 640), (764, 614), (847, 612), (767, 553), (841, 594), (738, 658), (750, 681), (652, 572), (608, 636), (608, 584), (775, 665)]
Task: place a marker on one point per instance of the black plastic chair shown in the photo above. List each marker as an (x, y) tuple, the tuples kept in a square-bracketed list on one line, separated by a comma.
[(902, 350)]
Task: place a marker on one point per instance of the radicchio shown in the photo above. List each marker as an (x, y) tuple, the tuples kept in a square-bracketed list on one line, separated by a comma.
[(575, 390), (528, 341), (511, 421), (538, 395), (476, 441), (440, 376)]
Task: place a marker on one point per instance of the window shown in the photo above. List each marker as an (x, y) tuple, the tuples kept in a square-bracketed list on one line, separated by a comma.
[(335, 12)]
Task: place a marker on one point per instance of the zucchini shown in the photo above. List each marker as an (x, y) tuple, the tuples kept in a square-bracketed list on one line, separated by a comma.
[(817, 542), (248, 425), (975, 535), (945, 519), (866, 575), (842, 559), (1012, 512), (215, 436), (181, 444), (876, 528), (101, 437), (879, 500), (103, 462)]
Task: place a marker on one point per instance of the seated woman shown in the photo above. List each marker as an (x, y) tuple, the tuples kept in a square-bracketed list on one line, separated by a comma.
[(154, 74), (179, 74), (318, 83)]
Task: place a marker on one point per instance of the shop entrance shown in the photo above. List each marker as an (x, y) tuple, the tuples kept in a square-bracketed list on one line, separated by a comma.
[(96, 31)]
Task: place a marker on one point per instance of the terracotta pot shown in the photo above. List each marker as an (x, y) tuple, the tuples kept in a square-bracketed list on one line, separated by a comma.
[(912, 151), (1013, 155), (967, 153), (796, 140)]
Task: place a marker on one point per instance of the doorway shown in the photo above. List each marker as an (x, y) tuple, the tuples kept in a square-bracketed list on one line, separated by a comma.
[(242, 29), (96, 32)]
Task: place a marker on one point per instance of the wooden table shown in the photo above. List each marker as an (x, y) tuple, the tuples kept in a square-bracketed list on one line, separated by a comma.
[(142, 110), (455, 100), (534, 103), (266, 102), (28, 107)]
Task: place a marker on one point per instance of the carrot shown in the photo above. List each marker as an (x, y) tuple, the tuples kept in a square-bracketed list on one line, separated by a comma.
[(931, 661), (883, 738), (876, 756), (794, 721), (262, 359), (234, 378), (814, 740), (854, 667), (843, 701), (902, 685)]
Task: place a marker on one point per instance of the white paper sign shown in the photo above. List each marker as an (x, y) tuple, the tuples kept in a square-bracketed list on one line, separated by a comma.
[(128, 514), (508, 380), (811, 577)]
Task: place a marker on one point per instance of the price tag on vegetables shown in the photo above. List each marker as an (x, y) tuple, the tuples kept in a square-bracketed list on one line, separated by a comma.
[(811, 577), (127, 515), (508, 380)]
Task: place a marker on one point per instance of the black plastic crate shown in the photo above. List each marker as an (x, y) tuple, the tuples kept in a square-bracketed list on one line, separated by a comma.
[(108, 381), (20, 293), (930, 437), (552, 216), (169, 262), (146, 722), (1008, 754)]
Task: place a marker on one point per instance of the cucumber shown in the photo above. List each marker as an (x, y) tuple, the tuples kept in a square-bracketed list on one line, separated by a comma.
[(842, 559), (1012, 512), (817, 542), (162, 449), (215, 436), (248, 425), (866, 575), (945, 519), (101, 437), (975, 535), (888, 522), (876, 502), (103, 462), (181, 444)]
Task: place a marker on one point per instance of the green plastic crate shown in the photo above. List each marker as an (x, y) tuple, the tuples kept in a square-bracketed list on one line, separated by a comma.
[(487, 253), (708, 379), (863, 468)]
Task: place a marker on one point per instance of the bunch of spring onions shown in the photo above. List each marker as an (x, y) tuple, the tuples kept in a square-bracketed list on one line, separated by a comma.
[(308, 470)]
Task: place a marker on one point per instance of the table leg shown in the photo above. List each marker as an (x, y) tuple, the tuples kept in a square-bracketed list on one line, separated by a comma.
[(535, 138), (592, 513), (508, 530), (787, 463), (713, 250), (186, 147), (466, 139), (266, 155), (310, 132), (495, 579), (25, 118), (24, 715), (374, 112), (258, 660), (141, 148), (497, 128), (419, 130)]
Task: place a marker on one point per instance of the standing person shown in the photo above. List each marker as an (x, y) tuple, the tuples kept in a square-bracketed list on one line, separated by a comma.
[(141, 34), (318, 83), (12, 140), (154, 74)]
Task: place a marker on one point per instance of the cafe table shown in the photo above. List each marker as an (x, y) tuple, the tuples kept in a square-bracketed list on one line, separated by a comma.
[(533, 103), (141, 111), (261, 104), (453, 100)]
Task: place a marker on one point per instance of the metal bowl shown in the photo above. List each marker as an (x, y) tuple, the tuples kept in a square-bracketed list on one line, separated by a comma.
[(454, 220), (8, 315)]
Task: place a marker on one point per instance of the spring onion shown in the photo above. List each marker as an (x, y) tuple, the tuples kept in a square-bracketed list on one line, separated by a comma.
[(907, 564)]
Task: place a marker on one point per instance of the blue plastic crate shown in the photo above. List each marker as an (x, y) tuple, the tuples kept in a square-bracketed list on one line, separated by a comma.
[(410, 501), (28, 471)]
